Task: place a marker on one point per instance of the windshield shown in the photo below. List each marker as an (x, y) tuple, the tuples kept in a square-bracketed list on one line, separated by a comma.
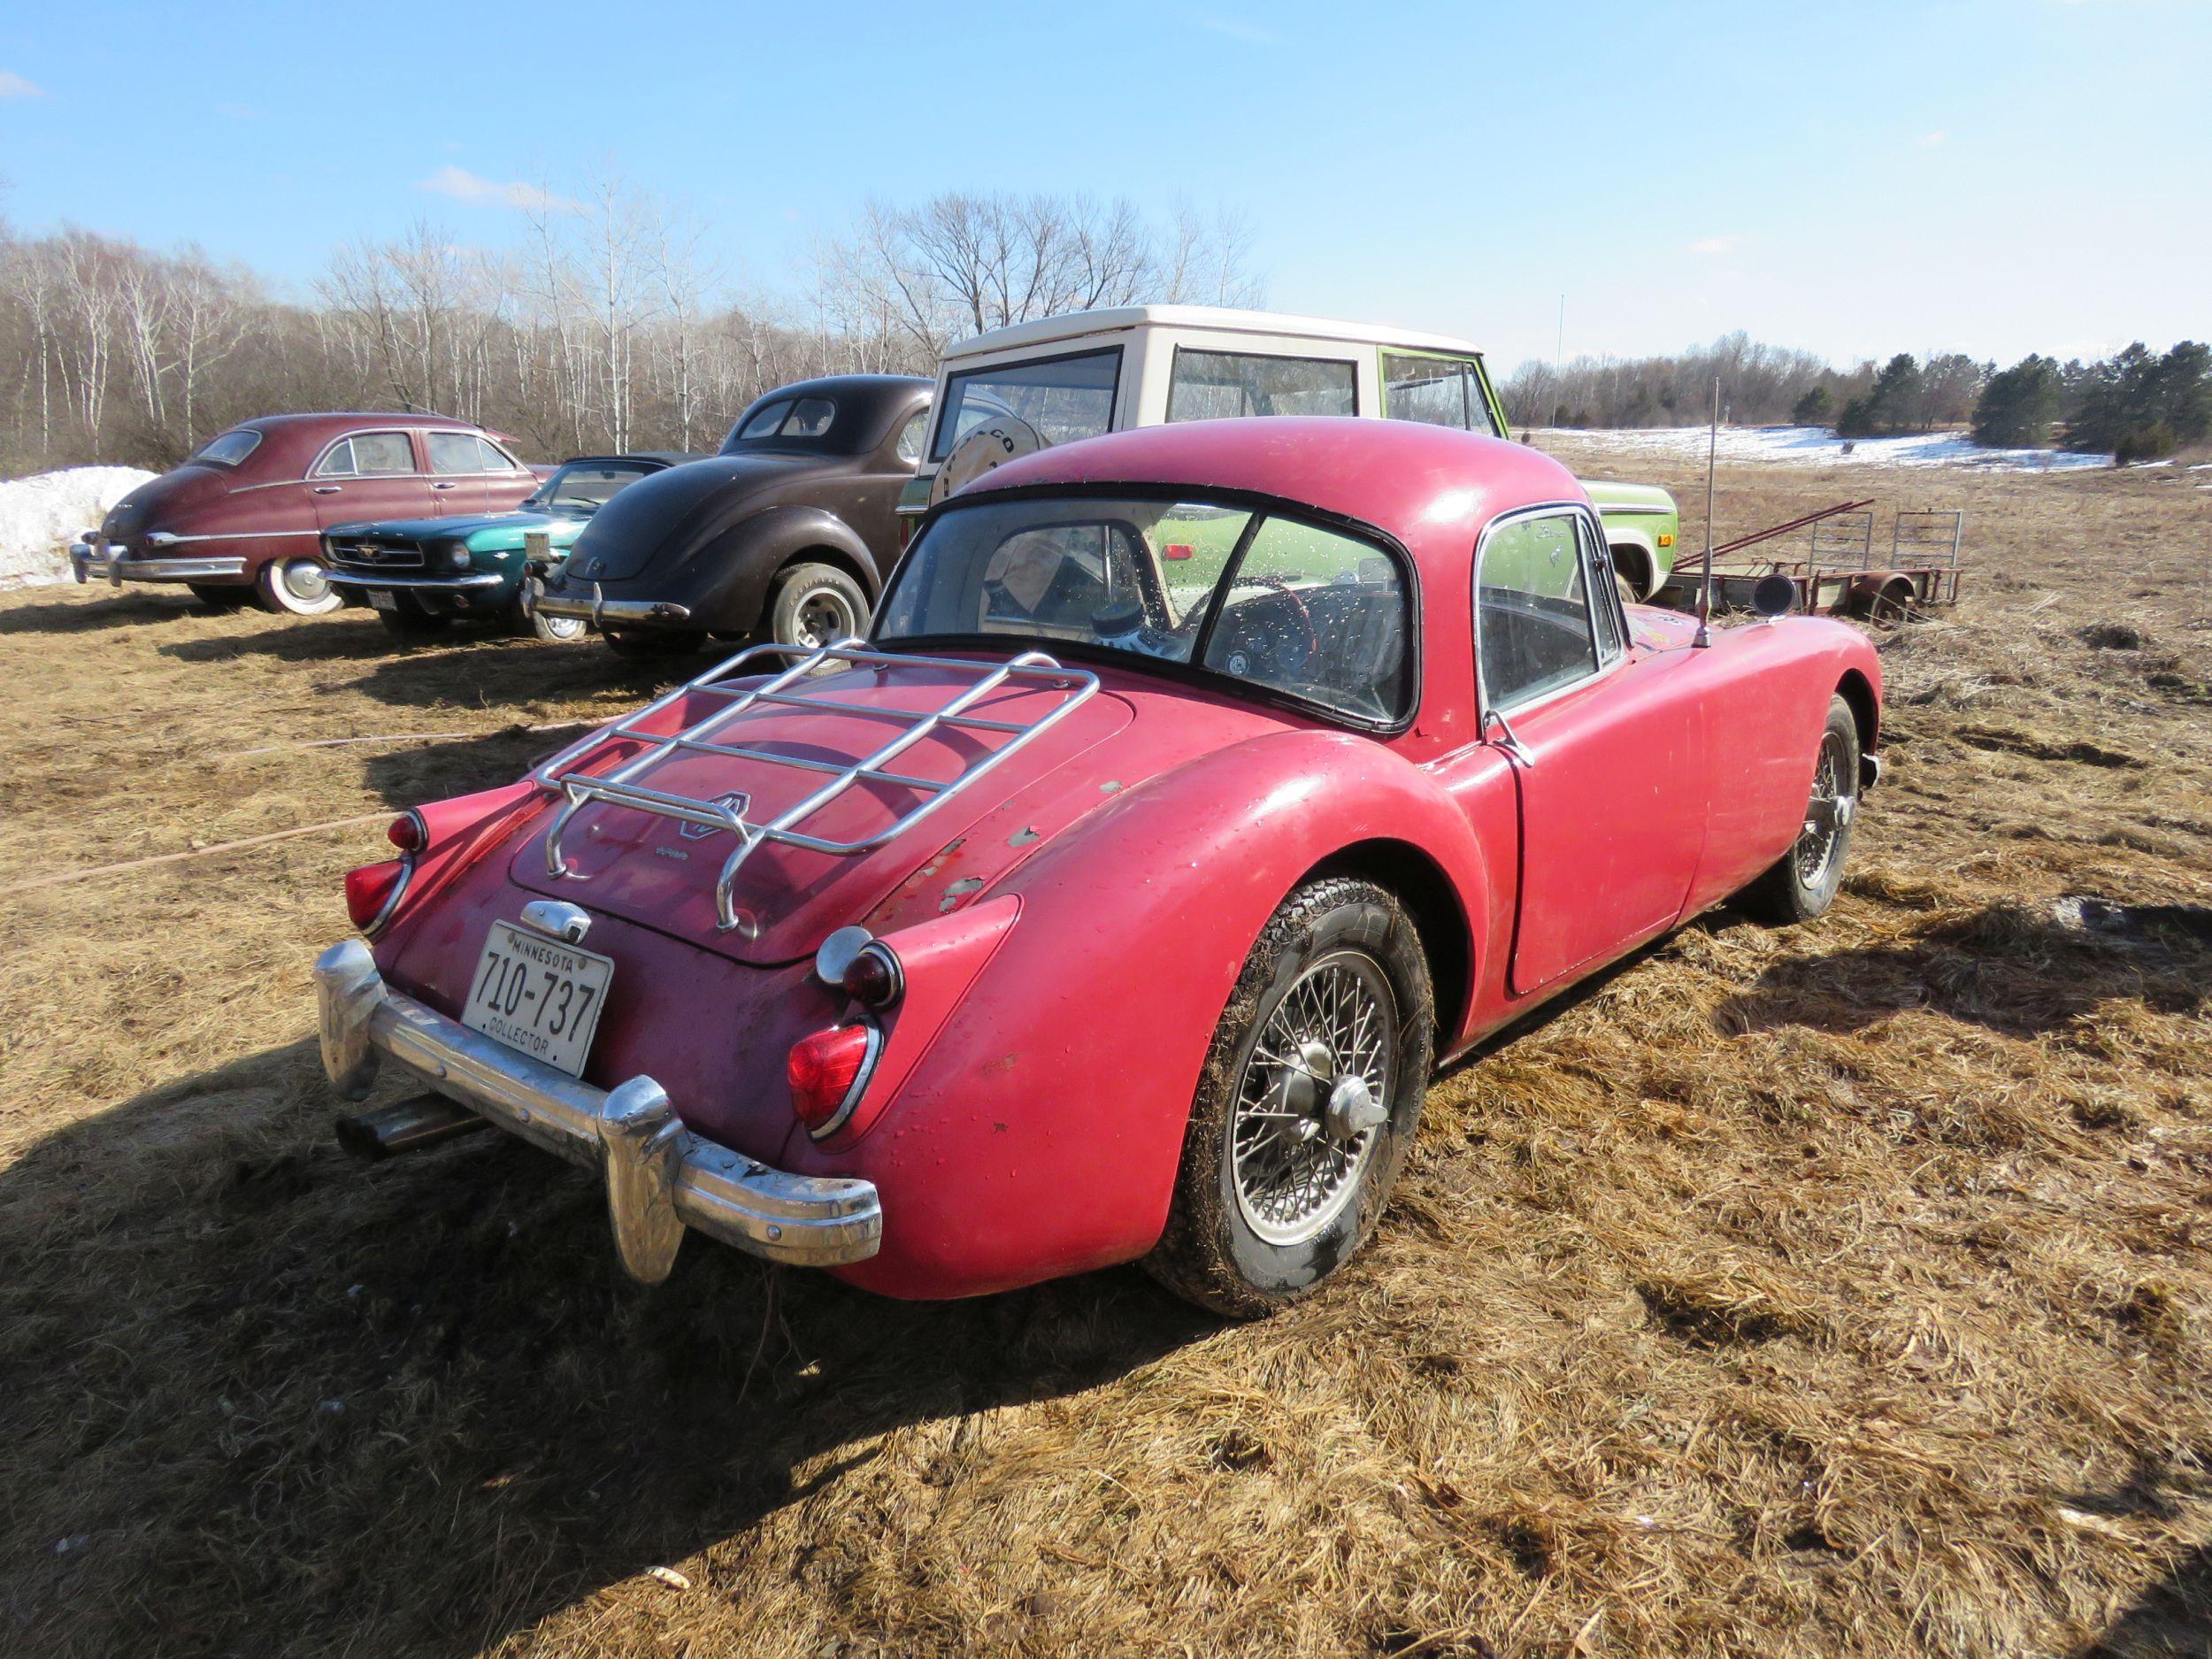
[(580, 488), (229, 448), (1064, 398), (1261, 597)]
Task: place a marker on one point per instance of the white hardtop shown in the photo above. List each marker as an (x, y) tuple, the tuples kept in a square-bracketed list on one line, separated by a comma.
[(1210, 319)]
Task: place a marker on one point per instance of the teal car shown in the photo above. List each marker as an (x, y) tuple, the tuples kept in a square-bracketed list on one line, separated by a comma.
[(421, 575)]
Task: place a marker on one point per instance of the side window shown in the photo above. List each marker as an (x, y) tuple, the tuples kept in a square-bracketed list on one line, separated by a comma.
[(1436, 391), (810, 417), (1318, 614), (1604, 592), (453, 452), (491, 459), (338, 461), (382, 454), (909, 443), (1218, 385), (1533, 609)]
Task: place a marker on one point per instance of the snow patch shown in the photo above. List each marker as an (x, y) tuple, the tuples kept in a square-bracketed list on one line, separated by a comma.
[(42, 515), (1817, 446)]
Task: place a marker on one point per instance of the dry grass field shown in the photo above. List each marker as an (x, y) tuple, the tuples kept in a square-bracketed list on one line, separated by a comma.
[(1844, 1291)]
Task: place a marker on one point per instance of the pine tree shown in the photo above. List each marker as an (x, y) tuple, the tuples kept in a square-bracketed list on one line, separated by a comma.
[(2019, 407), (1813, 409)]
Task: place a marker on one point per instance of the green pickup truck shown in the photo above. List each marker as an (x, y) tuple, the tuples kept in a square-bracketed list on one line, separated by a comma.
[(1139, 365)]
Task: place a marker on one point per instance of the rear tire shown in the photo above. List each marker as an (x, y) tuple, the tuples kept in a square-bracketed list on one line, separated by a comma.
[(217, 598), (407, 619), (297, 587), (815, 604), (1803, 882), (1307, 1104)]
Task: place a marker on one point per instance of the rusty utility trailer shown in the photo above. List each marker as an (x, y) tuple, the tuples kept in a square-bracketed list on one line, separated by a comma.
[(1839, 575)]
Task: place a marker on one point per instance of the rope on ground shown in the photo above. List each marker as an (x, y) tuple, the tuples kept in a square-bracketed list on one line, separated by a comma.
[(61, 875), (401, 737)]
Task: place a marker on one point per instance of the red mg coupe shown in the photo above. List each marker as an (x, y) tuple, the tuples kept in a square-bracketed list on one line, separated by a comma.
[(1199, 788), (245, 515)]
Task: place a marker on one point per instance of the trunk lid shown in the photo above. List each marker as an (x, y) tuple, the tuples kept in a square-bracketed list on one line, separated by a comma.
[(660, 873)]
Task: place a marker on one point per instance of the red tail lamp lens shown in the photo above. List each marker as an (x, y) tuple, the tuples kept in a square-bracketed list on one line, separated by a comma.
[(369, 889), (1178, 550), (409, 832), (823, 1069), (873, 977)]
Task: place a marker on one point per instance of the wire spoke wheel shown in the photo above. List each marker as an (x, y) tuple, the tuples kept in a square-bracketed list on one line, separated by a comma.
[(1316, 1089), (1827, 813)]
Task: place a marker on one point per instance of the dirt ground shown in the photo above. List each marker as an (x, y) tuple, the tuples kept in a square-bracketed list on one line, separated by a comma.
[(1837, 1291)]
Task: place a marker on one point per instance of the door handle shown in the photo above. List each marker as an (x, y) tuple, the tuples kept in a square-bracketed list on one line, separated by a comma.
[(441, 487), (326, 489)]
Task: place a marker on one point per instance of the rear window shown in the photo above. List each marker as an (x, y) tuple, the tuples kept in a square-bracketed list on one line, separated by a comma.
[(788, 418), (229, 448), (1219, 385), (1064, 398)]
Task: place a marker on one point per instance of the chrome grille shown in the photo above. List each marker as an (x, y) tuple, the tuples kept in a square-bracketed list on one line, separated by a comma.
[(384, 555)]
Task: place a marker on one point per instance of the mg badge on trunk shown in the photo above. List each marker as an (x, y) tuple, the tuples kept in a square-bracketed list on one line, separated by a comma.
[(736, 800)]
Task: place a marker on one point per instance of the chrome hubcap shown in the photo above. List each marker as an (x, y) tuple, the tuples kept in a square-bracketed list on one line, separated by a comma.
[(303, 579), (824, 616), (1827, 814), (1313, 1098)]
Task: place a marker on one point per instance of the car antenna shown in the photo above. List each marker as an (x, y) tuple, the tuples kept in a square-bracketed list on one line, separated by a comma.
[(1705, 581)]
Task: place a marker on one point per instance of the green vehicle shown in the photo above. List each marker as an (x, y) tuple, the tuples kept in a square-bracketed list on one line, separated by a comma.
[(1076, 376), (422, 575)]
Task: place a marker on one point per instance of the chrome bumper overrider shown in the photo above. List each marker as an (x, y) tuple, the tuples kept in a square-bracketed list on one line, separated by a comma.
[(344, 578), (114, 568), (599, 609), (660, 1177)]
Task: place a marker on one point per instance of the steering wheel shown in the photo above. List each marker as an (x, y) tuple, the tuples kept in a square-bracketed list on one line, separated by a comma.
[(1297, 604)]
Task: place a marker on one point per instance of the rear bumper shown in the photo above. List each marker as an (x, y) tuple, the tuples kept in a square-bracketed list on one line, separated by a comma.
[(661, 1178), (87, 562), (598, 610)]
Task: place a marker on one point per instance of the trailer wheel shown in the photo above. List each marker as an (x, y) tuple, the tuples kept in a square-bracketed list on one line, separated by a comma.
[(1890, 605)]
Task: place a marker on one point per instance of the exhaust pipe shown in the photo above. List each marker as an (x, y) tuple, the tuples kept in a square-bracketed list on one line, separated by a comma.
[(427, 1120)]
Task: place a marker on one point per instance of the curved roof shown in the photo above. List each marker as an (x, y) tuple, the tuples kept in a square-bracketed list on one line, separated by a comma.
[(1215, 319), (1432, 487)]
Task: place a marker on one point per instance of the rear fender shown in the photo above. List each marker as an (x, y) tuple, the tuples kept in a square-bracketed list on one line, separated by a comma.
[(735, 573), (1040, 1133), (459, 830)]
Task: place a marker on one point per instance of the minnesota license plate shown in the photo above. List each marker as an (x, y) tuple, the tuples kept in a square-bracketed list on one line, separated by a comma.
[(382, 599), (538, 995)]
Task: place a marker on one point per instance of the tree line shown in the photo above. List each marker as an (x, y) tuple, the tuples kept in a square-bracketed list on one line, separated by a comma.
[(2138, 404), (605, 325)]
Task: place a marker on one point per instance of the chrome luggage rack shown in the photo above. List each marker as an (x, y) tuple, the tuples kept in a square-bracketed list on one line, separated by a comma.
[(621, 787)]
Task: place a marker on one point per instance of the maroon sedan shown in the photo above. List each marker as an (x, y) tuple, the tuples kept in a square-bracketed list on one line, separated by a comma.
[(246, 514)]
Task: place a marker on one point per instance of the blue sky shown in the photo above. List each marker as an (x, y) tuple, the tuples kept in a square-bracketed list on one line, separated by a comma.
[(1853, 179)]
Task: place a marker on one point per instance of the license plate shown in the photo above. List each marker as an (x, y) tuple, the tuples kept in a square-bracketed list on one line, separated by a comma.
[(382, 599), (538, 996)]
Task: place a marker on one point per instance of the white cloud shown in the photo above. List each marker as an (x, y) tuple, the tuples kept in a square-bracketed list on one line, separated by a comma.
[(1236, 29), (1933, 141), (1717, 244), (14, 86), (464, 186)]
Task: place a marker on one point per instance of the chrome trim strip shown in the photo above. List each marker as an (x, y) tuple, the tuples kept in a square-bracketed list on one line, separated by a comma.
[(660, 1177), (165, 538), (1632, 507), (342, 577)]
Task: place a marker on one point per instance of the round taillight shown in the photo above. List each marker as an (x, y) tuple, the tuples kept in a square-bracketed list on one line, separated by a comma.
[(873, 977), (409, 832), (826, 1071)]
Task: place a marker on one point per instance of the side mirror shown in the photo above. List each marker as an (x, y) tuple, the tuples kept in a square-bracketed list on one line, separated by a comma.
[(1774, 594)]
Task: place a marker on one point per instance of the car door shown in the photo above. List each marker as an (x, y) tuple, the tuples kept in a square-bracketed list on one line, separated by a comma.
[(470, 475), (368, 475), (1606, 741)]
